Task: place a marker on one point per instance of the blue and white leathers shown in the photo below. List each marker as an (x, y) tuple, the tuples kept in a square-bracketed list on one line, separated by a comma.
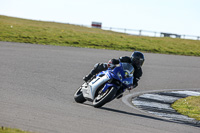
[(121, 77)]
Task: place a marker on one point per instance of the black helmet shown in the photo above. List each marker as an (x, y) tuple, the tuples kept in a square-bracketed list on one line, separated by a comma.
[(137, 58)]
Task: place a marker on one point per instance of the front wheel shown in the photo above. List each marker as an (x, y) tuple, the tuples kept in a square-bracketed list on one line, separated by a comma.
[(78, 96), (105, 97)]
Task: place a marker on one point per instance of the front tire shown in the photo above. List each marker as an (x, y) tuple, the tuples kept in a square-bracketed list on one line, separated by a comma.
[(105, 97), (78, 96)]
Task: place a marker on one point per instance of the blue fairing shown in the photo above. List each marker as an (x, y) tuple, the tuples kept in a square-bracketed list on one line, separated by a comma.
[(122, 73), (108, 85)]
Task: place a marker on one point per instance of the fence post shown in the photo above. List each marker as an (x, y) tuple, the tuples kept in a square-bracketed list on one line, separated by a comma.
[(140, 32)]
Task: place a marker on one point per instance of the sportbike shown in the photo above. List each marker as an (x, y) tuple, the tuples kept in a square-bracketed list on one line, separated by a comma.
[(106, 86)]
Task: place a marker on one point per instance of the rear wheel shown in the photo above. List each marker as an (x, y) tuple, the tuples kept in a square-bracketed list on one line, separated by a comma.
[(78, 96), (104, 97)]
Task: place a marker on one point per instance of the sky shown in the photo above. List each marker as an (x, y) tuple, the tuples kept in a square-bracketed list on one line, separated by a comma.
[(171, 16)]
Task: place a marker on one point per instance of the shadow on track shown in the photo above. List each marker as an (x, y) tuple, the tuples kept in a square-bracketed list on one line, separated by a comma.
[(195, 124), (150, 117)]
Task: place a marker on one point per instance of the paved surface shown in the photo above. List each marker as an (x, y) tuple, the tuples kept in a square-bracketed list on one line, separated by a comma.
[(37, 84)]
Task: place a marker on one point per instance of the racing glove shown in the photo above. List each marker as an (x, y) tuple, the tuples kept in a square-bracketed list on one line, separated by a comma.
[(110, 64)]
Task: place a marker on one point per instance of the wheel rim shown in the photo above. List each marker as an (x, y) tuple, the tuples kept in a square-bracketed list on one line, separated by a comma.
[(102, 95)]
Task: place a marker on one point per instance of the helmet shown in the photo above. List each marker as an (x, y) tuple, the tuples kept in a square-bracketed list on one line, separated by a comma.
[(137, 58)]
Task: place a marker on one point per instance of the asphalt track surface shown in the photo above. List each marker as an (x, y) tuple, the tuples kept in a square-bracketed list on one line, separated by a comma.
[(37, 84)]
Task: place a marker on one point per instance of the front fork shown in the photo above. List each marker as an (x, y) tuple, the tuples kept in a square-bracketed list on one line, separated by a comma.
[(119, 88)]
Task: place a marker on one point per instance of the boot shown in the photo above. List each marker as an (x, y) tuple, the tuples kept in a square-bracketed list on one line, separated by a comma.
[(87, 77)]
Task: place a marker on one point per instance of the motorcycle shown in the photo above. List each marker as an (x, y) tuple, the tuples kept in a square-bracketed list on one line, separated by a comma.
[(106, 86)]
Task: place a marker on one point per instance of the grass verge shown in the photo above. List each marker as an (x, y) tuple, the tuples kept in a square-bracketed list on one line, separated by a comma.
[(50, 33), (11, 130), (189, 106)]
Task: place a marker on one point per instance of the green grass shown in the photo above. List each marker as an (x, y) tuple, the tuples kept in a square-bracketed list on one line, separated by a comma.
[(49, 33), (189, 106), (11, 130)]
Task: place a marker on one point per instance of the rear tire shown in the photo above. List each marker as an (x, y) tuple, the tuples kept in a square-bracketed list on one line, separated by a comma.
[(105, 97), (78, 96)]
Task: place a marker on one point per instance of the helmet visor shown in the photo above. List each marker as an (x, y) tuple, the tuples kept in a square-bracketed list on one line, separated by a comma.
[(138, 61)]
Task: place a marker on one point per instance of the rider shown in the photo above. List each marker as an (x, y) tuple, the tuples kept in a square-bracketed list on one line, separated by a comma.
[(136, 59)]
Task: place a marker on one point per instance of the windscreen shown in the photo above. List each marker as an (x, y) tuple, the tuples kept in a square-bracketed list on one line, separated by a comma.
[(128, 68)]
